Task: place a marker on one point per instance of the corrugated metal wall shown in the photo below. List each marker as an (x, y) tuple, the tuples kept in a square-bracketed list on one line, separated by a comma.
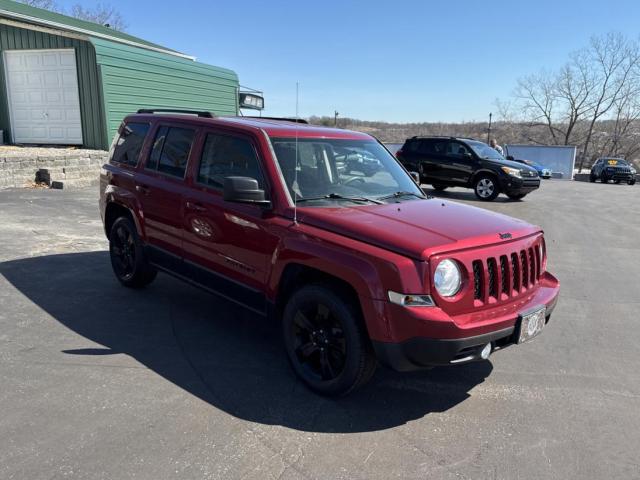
[(93, 124), (134, 78)]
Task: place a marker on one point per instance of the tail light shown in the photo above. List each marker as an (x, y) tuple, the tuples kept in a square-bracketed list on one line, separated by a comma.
[(399, 153)]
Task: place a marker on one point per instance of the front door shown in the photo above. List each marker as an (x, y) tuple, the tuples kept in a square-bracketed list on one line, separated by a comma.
[(460, 163), (227, 245), (42, 92)]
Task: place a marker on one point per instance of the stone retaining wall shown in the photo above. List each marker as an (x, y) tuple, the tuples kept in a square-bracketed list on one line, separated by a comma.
[(68, 168)]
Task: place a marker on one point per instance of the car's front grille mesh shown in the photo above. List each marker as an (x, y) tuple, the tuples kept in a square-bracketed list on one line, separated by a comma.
[(518, 272), (504, 287), (493, 277), (477, 279)]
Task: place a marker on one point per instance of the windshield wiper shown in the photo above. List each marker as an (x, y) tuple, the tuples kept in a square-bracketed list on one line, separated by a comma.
[(337, 196), (401, 194)]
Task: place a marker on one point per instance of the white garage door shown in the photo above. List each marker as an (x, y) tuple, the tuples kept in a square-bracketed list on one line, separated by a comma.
[(42, 88)]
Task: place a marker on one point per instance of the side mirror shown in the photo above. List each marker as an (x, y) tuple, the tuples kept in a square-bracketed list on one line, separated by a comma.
[(415, 176), (510, 157), (243, 190)]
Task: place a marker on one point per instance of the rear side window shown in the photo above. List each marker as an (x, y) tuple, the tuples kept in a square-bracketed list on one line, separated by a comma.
[(437, 147), (129, 144), (170, 151), (227, 156)]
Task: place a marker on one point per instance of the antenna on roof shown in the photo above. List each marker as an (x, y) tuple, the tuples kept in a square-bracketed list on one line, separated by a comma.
[(295, 174)]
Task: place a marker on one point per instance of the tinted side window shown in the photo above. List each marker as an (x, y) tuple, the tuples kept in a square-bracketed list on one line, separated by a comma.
[(434, 147), (171, 150), (457, 149), (226, 156), (127, 149)]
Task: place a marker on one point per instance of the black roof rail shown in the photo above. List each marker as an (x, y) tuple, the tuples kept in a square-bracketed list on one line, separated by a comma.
[(202, 114), (279, 119)]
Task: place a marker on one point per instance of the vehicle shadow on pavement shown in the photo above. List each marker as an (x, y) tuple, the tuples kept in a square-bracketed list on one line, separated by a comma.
[(466, 195), (219, 352)]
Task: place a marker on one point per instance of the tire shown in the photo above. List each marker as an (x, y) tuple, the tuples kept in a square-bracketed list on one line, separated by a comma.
[(604, 179), (632, 182), (592, 178), (318, 320), (439, 188), (128, 259), (617, 182), (486, 187), (519, 196)]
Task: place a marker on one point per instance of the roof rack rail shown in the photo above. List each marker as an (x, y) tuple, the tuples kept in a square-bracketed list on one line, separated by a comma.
[(203, 114), (280, 119)]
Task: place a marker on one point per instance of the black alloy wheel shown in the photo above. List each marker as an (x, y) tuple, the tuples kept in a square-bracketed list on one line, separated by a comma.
[(326, 341), (127, 255)]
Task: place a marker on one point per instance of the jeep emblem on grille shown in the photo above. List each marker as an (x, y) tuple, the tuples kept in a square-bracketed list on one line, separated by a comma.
[(504, 236)]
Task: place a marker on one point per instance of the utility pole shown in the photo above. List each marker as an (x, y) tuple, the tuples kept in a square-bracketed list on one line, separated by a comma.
[(489, 131), (335, 118)]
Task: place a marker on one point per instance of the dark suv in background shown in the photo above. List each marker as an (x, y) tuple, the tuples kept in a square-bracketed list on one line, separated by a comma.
[(462, 162), (615, 169)]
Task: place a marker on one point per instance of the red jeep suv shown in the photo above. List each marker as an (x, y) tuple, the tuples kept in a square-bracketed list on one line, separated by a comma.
[(356, 266)]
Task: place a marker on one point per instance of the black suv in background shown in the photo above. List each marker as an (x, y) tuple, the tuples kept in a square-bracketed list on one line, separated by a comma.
[(615, 169), (463, 162)]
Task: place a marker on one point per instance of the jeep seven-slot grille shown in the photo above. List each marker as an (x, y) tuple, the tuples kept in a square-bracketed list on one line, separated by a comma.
[(518, 272)]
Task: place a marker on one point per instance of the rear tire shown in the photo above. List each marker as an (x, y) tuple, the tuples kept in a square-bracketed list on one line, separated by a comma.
[(128, 259), (632, 182), (486, 187), (326, 341)]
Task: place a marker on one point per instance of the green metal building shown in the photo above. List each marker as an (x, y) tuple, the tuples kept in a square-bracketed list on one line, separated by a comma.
[(68, 81)]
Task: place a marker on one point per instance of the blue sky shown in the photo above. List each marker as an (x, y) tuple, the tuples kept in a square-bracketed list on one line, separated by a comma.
[(398, 61)]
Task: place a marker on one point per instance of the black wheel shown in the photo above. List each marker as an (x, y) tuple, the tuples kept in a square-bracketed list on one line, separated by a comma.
[(592, 178), (603, 178), (632, 182), (486, 187), (440, 188), (519, 196), (127, 255), (326, 341), (617, 182)]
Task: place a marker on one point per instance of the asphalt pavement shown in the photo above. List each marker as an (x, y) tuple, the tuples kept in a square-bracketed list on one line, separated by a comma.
[(101, 382)]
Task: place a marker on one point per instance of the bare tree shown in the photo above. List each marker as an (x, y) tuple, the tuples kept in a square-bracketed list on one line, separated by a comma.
[(46, 4), (102, 14), (614, 60)]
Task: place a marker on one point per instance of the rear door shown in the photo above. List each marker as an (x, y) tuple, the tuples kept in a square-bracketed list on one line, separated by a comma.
[(227, 246), (433, 152), (160, 187)]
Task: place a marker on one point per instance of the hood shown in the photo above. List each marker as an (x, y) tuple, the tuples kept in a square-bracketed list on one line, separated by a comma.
[(418, 228)]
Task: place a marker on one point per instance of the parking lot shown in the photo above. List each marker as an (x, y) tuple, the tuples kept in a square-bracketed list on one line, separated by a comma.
[(101, 382)]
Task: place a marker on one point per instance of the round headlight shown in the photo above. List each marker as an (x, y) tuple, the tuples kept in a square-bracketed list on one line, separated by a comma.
[(447, 278)]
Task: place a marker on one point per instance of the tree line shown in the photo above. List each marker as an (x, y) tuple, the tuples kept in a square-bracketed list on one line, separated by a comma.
[(100, 13)]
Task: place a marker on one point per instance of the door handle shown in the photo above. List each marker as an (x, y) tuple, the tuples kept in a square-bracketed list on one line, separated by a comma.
[(143, 189), (196, 207)]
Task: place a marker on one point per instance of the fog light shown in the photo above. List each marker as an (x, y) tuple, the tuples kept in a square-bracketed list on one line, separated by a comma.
[(486, 351)]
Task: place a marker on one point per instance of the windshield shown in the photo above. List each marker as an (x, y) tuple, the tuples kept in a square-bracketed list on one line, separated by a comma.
[(334, 171), (484, 151)]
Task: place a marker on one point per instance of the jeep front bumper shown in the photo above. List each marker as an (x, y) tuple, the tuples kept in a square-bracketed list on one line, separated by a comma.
[(432, 338)]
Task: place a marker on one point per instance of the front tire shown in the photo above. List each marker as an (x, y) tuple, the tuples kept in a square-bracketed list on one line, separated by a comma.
[(128, 259), (486, 188), (592, 178), (326, 341), (518, 196)]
